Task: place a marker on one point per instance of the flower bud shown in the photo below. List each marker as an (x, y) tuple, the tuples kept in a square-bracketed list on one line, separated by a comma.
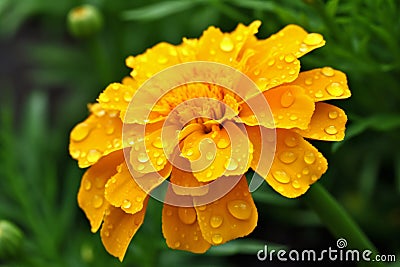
[(84, 21), (10, 239)]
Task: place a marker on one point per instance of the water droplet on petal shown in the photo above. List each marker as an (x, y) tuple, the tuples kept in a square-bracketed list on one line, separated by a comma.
[(209, 174), (313, 39), (287, 157), (271, 62), (289, 58), (162, 60), (231, 165), (75, 153), (291, 141), (127, 96), (201, 208), (335, 89), (107, 233), (309, 157), (177, 244), (328, 71), (160, 161), (305, 171), (223, 143), (104, 98), (117, 142), (216, 221), (139, 199), (87, 185), (319, 94), (296, 184), (287, 99), (293, 117), (142, 157), (126, 204), (93, 156), (140, 167), (97, 201), (332, 115), (109, 129), (314, 178), (308, 81), (226, 44), (189, 152), (187, 215), (157, 143), (80, 132), (281, 176), (239, 209), (216, 239), (331, 130), (209, 155)]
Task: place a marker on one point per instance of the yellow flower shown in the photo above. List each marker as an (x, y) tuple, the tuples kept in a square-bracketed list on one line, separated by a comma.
[(123, 172)]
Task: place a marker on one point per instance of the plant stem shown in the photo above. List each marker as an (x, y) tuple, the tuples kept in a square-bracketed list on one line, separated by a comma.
[(338, 221)]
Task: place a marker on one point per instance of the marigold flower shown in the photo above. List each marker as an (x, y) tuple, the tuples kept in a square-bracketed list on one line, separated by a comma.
[(221, 128)]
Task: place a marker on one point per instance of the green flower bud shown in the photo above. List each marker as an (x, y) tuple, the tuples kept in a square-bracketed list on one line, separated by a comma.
[(84, 21), (10, 239)]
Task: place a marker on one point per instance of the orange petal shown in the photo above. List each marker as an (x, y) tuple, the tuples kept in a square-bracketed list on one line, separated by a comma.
[(296, 166), (119, 228), (224, 47), (327, 123), (184, 183), (324, 84), (232, 216), (97, 136), (91, 192), (290, 106), (152, 61), (180, 227), (123, 191), (211, 155)]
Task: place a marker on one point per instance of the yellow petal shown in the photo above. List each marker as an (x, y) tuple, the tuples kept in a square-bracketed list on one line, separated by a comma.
[(327, 123), (123, 191), (296, 166), (232, 216), (323, 84), (184, 183), (97, 136), (91, 192), (180, 227), (119, 228), (290, 106), (211, 154)]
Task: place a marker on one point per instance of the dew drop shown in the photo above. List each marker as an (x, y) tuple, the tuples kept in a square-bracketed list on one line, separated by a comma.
[(212, 52), (209, 155), (162, 60), (127, 96), (328, 71), (239, 209), (305, 171), (104, 98), (75, 153), (93, 156), (187, 215), (216, 221), (223, 143), (195, 238), (80, 132), (201, 208), (126, 204), (216, 239), (293, 117), (281, 176), (289, 58), (231, 164), (309, 157), (140, 167), (287, 157), (87, 185), (332, 115), (287, 99), (107, 233), (109, 129), (319, 94), (139, 199), (177, 244), (209, 174), (291, 141), (99, 112), (97, 201), (160, 161), (169, 213), (142, 157), (314, 178), (256, 72), (335, 89), (156, 154), (271, 62), (226, 44), (189, 152), (157, 143), (117, 142), (308, 81), (296, 184), (313, 39), (331, 130)]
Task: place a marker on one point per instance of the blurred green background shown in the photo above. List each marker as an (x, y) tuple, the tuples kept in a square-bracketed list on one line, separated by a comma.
[(47, 77)]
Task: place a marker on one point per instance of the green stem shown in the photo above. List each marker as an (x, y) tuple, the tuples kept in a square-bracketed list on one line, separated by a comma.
[(338, 221)]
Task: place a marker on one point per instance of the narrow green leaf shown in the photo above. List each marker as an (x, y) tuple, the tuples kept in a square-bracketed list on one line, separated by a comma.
[(242, 246)]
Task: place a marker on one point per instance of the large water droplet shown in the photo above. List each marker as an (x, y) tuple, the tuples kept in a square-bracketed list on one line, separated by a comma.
[(93, 156), (332, 115), (289, 58), (216, 239), (226, 44), (291, 141), (187, 215), (331, 130), (287, 99), (335, 89), (328, 71), (223, 143), (309, 157), (97, 201), (157, 143), (142, 157), (126, 204), (287, 157), (231, 165), (80, 132), (216, 221), (281, 176), (239, 209), (313, 39)]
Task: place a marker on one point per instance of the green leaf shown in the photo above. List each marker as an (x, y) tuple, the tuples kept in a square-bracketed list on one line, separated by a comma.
[(158, 11), (243, 246)]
